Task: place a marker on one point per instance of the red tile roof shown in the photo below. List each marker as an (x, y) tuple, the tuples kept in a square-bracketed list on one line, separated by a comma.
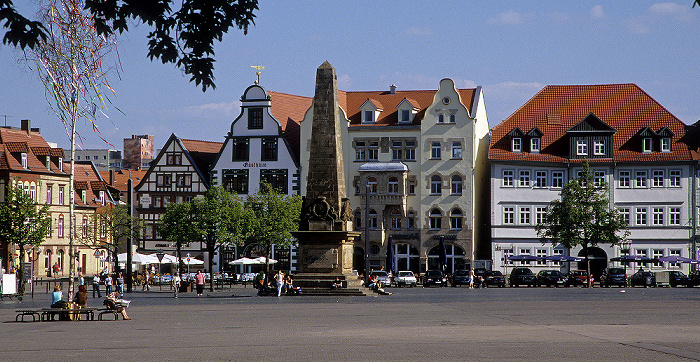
[(121, 178), (289, 110), (203, 153), (624, 107)]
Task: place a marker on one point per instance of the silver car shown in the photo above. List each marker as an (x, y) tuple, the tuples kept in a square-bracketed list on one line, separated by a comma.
[(405, 278)]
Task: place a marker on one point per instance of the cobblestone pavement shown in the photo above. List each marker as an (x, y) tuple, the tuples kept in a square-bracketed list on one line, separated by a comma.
[(415, 323)]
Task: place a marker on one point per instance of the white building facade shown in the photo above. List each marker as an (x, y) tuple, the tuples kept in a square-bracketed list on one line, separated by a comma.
[(630, 141)]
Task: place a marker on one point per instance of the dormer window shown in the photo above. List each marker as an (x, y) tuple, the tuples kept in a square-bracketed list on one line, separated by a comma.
[(48, 162), (60, 164), (581, 147), (453, 118), (405, 116), (368, 117), (24, 159), (83, 196), (665, 145), (517, 144), (102, 197), (646, 145), (599, 147), (535, 145), (441, 118)]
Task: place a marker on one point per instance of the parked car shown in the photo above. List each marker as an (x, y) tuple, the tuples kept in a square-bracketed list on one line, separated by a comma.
[(551, 278), (405, 278), (522, 276), (577, 277), (479, 272), (460, 277), (694, 278), (643, 278), (613, 276), (494, 277), (434, 277), (672, 278), (382, 277)]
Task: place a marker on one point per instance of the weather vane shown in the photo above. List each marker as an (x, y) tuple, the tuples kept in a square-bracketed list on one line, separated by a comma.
[(258, 68)]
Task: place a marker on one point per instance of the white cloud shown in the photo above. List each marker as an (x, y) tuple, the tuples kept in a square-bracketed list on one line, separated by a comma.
[(660, 14), (597, 12), (511, 17), (418, 31)]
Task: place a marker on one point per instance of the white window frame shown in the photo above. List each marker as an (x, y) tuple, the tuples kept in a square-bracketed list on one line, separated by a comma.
[(508, 178), (647, 145), (674, 215), (540, 178), (640, 216), (508, 215), (581, 147), (599, 147), (535, 145), (625, 212), (657, 178), (640, 179), (540, 214), (657, 216), (456, 184), (524, 178), (436, 185), (516, 144), (524, 214), (435, 151), (674, 178), (557, 179), (665, 144), (456, 150), (623, 179)]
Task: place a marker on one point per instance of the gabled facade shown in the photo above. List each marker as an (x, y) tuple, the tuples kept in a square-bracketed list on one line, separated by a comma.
[(179, 173), (630, 141), (28, 161), (420, 158)]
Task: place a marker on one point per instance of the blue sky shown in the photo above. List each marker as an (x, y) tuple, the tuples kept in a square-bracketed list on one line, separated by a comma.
[(510, 48)]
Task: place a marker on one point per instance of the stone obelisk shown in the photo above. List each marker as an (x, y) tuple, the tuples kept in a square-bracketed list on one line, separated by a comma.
[(325, 240)]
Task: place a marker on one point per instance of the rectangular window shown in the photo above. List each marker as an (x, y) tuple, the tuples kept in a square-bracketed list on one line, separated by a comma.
[(557, 179), (508, 178), (60, 227), (235, 181), (599, 147), (517, 145), (277, 179), (674, 252), (557, 252), (525, 215), (525, 251), (674, 178), (657, 178), (656, 254), (524, 179), (625, 212), (640, 179), (255, 118), (541, 253), (24, 159), (641, 215), (535, 145), (405, 115), (410, 150), (435, 151), (624, 178), (240, 149), (598, 177), (49, 194), (359, 151), (665, 145), (86, 228), (674, 216), (657, 216), (509, 215), (411, 187), (646, 145), (269, 149), (163, 180), (184, 180), (582, 147), (540, 214), (396, 150), (369, 117), (643, 253), (456, 150), (507, 253), (540, 178), (373, 151), (157, 201)]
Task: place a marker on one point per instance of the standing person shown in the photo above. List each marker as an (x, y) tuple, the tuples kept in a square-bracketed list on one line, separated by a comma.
[(280, 282), (108, 284), (199, 279), (176, 283), (471, 278), (120, 283), (146, 276), (81, 280), (96, 286), (56, 268)]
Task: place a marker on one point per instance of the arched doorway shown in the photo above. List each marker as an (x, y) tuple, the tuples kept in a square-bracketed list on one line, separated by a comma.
[(598, 259), (455, 258), (358, 259), (406, 257)]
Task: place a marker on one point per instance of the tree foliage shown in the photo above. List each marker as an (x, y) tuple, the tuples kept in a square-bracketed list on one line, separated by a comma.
[(184, 36), (176, 226), (583, 216), (23, 223), (118, 227)]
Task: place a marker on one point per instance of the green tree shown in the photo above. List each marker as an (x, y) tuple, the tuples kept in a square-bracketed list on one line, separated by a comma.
[(583, 216), (272, 218), (176, 226), (184, 36), (218, 220), (114, 223), (23, 223)]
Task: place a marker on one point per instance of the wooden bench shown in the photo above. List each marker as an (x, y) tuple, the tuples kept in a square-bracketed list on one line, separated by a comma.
[(108, 311), (48, 314), (25, 312)]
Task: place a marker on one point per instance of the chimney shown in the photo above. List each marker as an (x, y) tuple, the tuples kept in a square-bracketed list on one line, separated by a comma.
[(111, 177), (26, 125), (392, 89)]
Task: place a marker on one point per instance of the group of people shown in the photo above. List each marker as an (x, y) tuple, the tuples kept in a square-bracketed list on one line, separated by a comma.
[(376, 285), (280, 281), (81, 298), (108, 280)]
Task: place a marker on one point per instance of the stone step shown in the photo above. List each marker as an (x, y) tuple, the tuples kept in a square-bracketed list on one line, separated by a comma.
[(336, 292)]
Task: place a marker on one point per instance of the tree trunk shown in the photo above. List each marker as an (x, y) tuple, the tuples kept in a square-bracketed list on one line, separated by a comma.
[(588, 265), (20, 271), (211, 247)]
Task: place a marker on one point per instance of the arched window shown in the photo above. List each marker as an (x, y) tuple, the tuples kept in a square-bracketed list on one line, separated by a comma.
[(436, 185), (393, 186), (372, 184), (372, 219), (47, 259), (456, 185), (395, 220), (456, 219), (435, 219)]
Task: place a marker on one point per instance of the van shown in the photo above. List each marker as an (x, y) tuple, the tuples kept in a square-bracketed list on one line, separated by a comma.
[(671, 278)]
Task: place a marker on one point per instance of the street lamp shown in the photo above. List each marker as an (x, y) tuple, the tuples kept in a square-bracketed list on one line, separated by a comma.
[(625, 248)]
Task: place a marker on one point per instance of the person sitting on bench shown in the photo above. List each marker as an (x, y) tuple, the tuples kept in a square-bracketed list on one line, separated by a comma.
[(113, 302), (57, 298)]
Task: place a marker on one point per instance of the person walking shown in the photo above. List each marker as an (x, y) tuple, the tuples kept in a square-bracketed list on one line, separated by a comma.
[(199, 279), (280, 282), (176, 283), (96, 286), (146, 276), (120, 283), (108, 284), (81, 280), (471, 278)]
